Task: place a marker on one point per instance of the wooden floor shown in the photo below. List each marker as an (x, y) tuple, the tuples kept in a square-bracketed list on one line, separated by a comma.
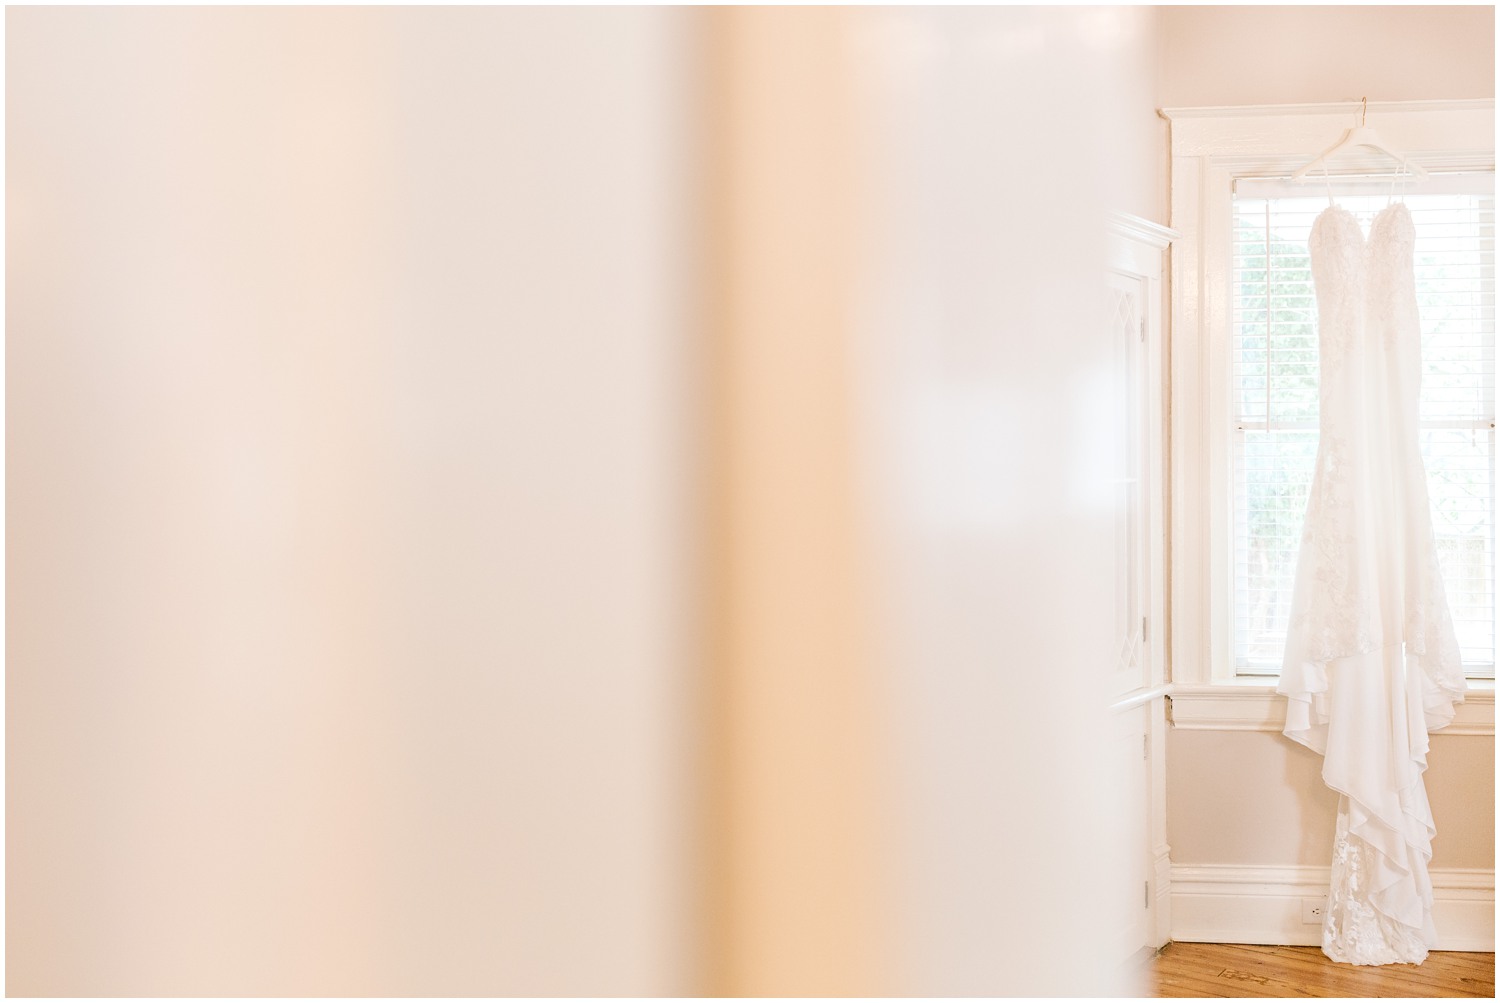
[(1236, 970)]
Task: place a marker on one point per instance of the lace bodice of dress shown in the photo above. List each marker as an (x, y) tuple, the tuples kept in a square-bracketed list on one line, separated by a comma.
[(1340, 614)]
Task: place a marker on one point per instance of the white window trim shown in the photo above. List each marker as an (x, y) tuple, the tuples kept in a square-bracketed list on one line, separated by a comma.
[(1210, 147)]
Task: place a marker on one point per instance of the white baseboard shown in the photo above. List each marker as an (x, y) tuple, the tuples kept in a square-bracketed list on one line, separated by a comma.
[(1161, 891), (1234, 904)]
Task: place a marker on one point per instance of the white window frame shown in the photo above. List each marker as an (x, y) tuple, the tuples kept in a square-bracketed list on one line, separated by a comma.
[(1210, 148)]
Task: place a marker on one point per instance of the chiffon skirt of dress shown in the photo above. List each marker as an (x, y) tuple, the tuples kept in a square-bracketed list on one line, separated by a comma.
[(1374, 743)]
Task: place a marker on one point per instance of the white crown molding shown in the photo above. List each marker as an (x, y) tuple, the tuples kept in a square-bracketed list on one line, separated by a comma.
[(1237, 706), (1259, 904), (1140, 229), (1326, 108), (1433, 131)]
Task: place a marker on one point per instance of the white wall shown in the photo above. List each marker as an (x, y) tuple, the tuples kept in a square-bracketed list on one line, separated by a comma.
[(1254, 797), (345, 467), (988, 372), (916, 551)]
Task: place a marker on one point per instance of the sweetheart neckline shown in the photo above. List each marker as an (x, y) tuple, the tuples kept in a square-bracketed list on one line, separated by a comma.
[(1336, 208), (1364, 237)]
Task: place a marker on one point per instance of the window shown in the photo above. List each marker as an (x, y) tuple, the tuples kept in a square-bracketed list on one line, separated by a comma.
[(1242, 393), (1273, 398)]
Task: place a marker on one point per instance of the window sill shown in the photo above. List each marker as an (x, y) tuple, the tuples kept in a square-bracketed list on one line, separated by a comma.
[(1254, 706)]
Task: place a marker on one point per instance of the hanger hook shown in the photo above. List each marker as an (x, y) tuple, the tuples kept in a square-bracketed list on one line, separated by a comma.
[(1362, 105)]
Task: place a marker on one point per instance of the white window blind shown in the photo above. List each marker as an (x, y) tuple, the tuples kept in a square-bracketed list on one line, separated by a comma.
[(1274, 398)]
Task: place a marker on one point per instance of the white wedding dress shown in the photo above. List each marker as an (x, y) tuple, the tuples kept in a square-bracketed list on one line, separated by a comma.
[(1372, 662)]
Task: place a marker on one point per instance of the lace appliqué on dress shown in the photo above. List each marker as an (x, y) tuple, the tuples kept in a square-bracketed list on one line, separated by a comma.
[(1338, 616), (1353, 931)]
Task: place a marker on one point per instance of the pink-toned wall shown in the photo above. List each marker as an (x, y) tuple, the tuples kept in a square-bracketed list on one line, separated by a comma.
[(1294, 55)]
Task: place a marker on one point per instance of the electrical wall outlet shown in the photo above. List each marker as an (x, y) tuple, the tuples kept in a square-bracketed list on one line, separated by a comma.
[(1313, 910)]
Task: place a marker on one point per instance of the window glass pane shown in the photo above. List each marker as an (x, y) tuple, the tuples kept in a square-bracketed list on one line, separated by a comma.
[(1273, 475)]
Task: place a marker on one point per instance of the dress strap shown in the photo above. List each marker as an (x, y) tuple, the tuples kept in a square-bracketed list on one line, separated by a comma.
[(1328, 181)]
